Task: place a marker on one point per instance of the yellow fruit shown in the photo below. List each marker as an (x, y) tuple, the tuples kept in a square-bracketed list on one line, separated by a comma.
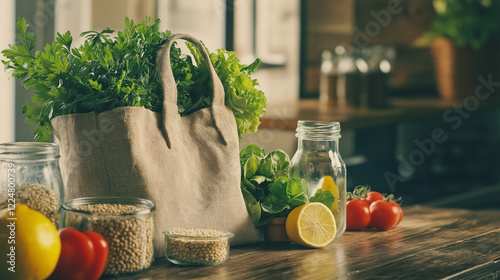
[(37, 245), (311, 225), (329, 185)]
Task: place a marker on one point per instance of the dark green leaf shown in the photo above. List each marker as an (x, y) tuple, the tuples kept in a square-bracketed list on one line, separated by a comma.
[(259, 194), (275, 164), (325, 197), (249, 186), (273, 205), (250, 166), (296, 192), (253, 206)]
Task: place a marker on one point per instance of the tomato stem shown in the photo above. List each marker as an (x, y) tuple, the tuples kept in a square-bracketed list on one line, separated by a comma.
[(361, 191)]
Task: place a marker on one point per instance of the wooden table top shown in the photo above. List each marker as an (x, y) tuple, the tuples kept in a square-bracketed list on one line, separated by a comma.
[(284, 116), (430, 243)]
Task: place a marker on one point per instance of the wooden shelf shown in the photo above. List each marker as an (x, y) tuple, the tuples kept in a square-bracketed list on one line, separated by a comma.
[(285, 116)]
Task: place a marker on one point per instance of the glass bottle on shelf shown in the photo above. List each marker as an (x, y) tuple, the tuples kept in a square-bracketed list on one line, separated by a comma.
[(340, 79), (318, 161), (30, 174), (328, 79), (375, 64)]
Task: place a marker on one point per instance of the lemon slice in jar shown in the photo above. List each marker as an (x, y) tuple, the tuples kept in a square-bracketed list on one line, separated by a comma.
[(329, 185)]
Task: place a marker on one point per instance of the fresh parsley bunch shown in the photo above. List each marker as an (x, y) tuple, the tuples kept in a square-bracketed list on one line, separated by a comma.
[(104, 73)]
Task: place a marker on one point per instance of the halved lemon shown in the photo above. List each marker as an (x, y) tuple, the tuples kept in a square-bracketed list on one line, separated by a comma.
[(311, 225), (329, 185)]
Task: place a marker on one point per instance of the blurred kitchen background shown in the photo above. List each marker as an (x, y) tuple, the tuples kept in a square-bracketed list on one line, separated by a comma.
[(366, 63)]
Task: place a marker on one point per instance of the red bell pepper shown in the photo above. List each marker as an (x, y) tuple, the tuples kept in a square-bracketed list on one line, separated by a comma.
[(83, 255)]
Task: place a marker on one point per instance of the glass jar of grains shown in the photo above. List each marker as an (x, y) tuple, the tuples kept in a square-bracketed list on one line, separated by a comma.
[(30, 174), (319, 163), (125, 223)]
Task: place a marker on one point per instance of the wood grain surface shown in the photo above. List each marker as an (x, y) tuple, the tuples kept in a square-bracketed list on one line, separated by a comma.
[(430, 243)]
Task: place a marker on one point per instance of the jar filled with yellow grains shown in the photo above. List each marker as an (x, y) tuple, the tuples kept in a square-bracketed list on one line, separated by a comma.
[(30, 174)]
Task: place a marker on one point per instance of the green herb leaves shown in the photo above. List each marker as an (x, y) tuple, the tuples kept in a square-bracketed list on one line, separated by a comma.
[(266, 188), (104, 73), (466, 22)]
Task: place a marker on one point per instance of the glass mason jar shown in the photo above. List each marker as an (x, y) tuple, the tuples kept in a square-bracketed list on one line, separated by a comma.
[(319, 163), (30, 174), (126, 223)]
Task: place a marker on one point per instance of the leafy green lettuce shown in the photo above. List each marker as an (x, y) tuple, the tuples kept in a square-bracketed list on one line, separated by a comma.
[(247, 102), (266, 188)]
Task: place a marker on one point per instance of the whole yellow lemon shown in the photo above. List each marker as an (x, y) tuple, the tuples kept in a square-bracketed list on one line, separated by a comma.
[(29, 244)]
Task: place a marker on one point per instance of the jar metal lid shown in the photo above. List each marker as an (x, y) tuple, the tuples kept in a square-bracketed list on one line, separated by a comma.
[(318, 130), (29, 151)]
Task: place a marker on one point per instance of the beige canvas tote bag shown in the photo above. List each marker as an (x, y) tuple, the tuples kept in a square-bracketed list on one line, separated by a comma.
[(188, 166)]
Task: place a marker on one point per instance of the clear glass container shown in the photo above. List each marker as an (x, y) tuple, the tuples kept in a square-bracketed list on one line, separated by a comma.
[(319, 163), (125, 223), (197, 246), (30, 174), (340, 79), (375, 64)]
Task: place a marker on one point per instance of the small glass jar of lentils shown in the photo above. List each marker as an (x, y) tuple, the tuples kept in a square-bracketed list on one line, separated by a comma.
[(197, 246), (125, 223), (30, 174)]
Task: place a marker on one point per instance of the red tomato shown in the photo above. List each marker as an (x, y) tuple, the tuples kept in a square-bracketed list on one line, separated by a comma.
[(357, 214), (384, 215), (83, 255), (100, 254), (373, 196), (400, 211)]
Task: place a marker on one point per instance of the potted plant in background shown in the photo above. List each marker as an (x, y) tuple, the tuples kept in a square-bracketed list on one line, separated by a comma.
[(464, 39)]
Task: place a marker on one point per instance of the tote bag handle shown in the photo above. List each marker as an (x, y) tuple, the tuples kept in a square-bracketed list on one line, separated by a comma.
[(170, 109)]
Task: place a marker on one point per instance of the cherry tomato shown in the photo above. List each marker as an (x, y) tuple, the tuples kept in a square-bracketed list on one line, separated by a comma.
[(83, 255), (357, 214), (400, 211), (384, 215), (373, 196)]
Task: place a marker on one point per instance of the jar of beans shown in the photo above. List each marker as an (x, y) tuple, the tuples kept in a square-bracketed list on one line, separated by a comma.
[(125, 223), (30, 175)]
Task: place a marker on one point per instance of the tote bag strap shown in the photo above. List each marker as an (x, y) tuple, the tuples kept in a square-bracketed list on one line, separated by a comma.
[(170, 110)]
